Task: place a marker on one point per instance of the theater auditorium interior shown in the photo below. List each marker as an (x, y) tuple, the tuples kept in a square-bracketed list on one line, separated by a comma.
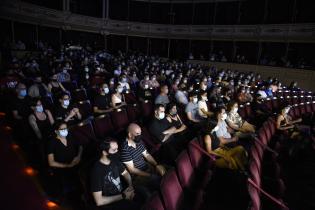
[(157, 105)]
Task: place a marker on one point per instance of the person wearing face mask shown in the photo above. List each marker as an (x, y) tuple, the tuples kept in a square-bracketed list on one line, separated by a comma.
[(146, 172), (117, 98), (124, 83), (234, 158), (269, 91), (163, 131), (106, 186), (286, 123), (145, 93), (146, 82), (224, 133), (66, 111), (55, 87), (192, 109), (236, 122), (162, 98), (41, 120), (154, 82), (20, 104), (181, 95), (64, 154), (38, 89), (102, 101), (202, 105)]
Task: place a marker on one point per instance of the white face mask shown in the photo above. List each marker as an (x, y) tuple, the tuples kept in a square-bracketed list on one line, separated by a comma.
[(120, 90), (63, 132), (287, 110), (66, 102), (235, 110), (195, 100), (106, 90), (161, 115), (39, 108), (224, 116), (146, 86), (215, 129), (205, 98)]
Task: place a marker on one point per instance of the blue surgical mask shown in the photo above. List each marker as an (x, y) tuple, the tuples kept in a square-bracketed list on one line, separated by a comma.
[(66, 102), (39, 108), (23, 93), (63, 132)]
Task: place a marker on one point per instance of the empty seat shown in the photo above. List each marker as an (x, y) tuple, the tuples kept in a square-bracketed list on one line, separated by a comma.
[(255, 199), (85, 108), (83, 133), (120, 119), (103, 126), (147, 109), (79, 95), (133, 112), (185, 170), (130, 97)]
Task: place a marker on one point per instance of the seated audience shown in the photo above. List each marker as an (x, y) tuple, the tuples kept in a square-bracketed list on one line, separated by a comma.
[(64, 155), (106, 185), (162, 98), (236, 122), (102, 101), (117, 98), (145, 170), (203, 106), (66, 111), (38, 89), (234, 158), (192, 109)]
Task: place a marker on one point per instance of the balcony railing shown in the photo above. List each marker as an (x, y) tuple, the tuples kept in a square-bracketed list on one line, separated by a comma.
[(29, 13)]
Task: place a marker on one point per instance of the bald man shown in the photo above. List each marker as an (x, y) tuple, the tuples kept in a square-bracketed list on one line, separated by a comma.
[(142, 166)]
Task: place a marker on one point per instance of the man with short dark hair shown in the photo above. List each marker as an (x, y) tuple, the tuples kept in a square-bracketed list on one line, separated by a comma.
[(164, 132), (106, 186)]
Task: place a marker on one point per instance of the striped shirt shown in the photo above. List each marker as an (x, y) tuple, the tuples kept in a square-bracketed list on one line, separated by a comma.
[(129, 153)]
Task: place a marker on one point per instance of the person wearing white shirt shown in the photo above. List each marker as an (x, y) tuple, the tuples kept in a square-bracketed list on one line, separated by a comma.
[(202, 105)]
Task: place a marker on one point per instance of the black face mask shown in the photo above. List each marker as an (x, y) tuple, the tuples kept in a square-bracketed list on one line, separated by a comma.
[(138, 138), (114, 157)]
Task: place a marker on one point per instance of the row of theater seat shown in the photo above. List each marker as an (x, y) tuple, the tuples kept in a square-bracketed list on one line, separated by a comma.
[(265, 171)]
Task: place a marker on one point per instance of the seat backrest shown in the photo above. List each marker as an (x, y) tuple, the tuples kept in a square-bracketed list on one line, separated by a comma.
[(79, 94), (171, 191), (120, 119), (147, 109), (254, 172), (154, 203), (185, 170), (103, 126), (85, 108), (255, 199), (83, 132), (133, 113), (194, 154)]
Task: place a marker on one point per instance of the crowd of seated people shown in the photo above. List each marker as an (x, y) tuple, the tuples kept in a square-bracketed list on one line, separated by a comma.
[(188, 99)]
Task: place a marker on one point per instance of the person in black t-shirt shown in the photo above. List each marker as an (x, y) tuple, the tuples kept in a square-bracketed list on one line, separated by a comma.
[(164, 132), (106, 185), (67, 112), (63, 157), (102, 101), (20, 104)]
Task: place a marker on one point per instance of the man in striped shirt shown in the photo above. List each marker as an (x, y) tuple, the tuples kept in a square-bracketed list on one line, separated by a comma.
[(145, 171)]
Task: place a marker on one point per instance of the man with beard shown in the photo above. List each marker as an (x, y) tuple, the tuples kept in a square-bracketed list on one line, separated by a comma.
[(106, 185)]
